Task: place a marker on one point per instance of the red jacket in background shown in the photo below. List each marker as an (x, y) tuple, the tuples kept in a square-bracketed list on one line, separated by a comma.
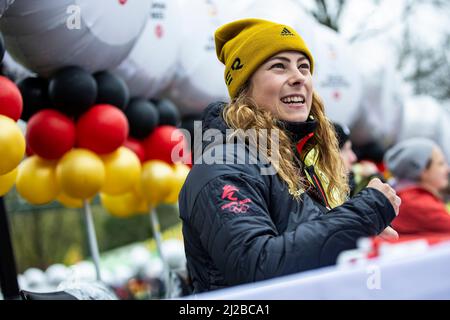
[(421, 213)]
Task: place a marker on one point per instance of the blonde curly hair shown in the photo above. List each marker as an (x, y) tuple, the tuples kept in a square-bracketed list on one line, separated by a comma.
[(243, 113)]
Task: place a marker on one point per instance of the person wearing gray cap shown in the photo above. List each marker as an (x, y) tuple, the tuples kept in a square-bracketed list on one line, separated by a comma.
[(421, 173)]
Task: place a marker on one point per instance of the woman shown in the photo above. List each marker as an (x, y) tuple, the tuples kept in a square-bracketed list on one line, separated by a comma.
[(421, 171), (243, 222)]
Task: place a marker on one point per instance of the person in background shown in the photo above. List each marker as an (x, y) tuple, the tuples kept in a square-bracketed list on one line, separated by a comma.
[(359, 173), (421, 172)]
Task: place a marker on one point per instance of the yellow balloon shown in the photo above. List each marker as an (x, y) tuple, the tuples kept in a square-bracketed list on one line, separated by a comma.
[(12, 145), (179, 177), (143, 206), (156, 181), (80, 173), (7, 181), (122, 171), (36, 180), (121, 206), (69, 202)]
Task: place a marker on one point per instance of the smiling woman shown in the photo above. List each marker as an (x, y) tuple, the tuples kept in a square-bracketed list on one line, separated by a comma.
[(242, 223)]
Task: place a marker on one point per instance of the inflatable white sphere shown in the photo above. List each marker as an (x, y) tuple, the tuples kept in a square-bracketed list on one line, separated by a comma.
[(423, 116), (139, 256), (84, 271), (35, 277), (56, 274), (150, 67), (199, 78), (4, 4), (97, 35), (173, 251), (153, 268)]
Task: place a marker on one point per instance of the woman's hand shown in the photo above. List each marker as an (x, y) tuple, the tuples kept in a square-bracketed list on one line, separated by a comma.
[(388, 192), (389, 234)]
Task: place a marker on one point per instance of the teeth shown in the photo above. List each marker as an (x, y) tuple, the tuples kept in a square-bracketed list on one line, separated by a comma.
[(293, 100)]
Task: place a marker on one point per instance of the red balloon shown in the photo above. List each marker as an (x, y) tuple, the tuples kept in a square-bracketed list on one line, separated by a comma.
[(11, 103), (50, 134), (102, 129), (136, 146), (159, 145)]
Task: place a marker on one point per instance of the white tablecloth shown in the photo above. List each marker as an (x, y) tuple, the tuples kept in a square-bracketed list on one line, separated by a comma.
[(420, 276)]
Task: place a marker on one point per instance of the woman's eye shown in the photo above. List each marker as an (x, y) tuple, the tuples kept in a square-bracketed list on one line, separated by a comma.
[(277, 65), (304, 66)]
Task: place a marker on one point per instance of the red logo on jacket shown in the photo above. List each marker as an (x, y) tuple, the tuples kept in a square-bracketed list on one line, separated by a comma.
[(234, 205)]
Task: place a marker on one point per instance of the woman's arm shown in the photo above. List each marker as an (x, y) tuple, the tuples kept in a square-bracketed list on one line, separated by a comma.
[(232, 219)]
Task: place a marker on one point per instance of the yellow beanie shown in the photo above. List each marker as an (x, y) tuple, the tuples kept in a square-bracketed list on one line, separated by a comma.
[(243, 45)]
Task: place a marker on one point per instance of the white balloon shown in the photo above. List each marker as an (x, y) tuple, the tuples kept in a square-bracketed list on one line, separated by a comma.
[(4, 4), (121, 275), (151, 65), (22, 281), (199, 80), (46, 35), (84, 271), (381, 106), (336, 78), (35, 277), (139, 256), (153, 269), (424, 117), (173, 251), (56, 274), (15, 70)]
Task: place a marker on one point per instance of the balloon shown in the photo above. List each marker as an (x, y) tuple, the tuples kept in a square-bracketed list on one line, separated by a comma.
[(36, 180), (72, 90), (12, 145), (69, 202), (180, 172), (150, 67), (50, 134), (136, 146), (2, 47), (168, 113), (156, 181), (96, 35), (4, 5), (199, 78), (336, 79), (122, 171), (80, 173), (111, 90), (11, 103), (7, 181), (159, 145), (187, 123), (142, 206), (142, 116), (102, 129), (121, 206), (35, 96)]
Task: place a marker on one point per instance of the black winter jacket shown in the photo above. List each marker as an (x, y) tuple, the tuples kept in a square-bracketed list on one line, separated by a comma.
[(240, 226)]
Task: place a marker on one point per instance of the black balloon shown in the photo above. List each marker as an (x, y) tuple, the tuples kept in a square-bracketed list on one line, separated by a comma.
[(2, 48), (168, 113), (35, 96), (111, 90), (72, 90), (142, 117), (187, 123)]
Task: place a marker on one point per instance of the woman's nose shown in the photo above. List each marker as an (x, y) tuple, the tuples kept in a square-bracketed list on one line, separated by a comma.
[(296, 78)]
